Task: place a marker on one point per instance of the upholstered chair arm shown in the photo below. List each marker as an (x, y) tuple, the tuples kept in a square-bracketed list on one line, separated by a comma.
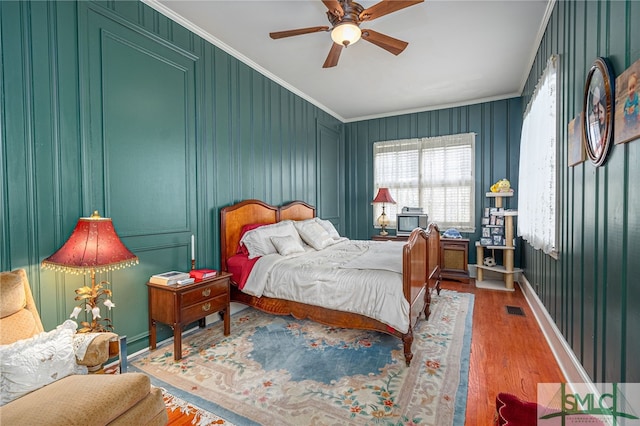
[(92, 349)]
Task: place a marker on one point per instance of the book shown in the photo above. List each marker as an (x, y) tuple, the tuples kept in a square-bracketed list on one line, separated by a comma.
[(186, 281), (201, 274), (168, 278)]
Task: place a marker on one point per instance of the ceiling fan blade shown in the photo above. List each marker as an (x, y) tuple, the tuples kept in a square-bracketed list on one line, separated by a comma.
[(388, 43), (385, 7), (299, 31), (334, 6), (333, 56)]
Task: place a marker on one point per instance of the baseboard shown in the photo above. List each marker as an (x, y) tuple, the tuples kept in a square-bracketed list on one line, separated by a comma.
[(571, 367)]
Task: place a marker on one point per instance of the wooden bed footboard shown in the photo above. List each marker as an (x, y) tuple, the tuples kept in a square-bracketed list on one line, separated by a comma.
[(420, 270)]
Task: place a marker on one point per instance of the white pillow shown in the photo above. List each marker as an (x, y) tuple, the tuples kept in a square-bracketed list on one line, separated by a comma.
[(258, 241), (328, 226), (29, 364), (314, 234), (287, 245)]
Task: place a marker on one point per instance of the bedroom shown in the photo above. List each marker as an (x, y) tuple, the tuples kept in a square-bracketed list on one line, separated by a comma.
[(54, 170)]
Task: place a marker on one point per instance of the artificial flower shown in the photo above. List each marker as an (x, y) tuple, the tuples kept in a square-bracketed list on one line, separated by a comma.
[(92, 297), (75, 312), (96, 312)]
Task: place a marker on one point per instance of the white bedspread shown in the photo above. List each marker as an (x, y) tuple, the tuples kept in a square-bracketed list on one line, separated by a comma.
[(363, 277)]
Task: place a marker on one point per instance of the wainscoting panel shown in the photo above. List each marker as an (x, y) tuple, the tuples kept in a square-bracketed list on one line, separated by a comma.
[(111, 106)]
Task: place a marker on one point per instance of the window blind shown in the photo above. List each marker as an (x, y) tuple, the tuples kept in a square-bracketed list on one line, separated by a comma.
[(435, 173)]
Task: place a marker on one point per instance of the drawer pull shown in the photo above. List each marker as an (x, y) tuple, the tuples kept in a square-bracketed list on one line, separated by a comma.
[(206, 307), (206, 292)]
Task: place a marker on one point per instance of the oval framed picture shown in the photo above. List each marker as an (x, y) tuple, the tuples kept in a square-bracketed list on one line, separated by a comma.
[(597, 107)]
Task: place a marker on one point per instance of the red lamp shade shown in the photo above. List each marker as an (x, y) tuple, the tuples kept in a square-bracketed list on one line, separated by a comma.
[(93, 246), (383, 197)]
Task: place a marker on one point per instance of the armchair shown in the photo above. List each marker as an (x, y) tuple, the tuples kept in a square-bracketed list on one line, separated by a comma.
[(40, 384)]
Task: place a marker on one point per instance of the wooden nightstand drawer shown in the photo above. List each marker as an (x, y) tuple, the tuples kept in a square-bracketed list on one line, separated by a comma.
[(204, 293), (204, 308)]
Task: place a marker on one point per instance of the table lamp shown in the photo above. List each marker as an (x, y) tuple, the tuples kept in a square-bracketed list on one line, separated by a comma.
[(92, 247), (383, 197)]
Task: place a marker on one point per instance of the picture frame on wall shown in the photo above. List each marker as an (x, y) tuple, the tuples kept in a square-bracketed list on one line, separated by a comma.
[(575, 153), (627, 111), (597, 110)]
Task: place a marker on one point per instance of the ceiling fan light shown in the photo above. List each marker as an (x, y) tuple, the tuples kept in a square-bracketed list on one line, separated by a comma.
[(346, 34)]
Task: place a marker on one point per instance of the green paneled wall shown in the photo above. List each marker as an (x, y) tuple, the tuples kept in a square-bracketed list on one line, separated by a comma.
[(591, 291), (111, 106), (497, 127)]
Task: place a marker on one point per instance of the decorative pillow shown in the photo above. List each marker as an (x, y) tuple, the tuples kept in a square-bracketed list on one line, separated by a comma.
[(287, 245), (242, 249), (30, 364), (258, 241), (328, 226), (314, 234)]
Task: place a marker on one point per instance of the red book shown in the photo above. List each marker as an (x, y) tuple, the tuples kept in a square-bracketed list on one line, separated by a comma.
[(202, 274)]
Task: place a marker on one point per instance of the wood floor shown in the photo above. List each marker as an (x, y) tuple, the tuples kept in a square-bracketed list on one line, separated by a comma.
[(508, 352)]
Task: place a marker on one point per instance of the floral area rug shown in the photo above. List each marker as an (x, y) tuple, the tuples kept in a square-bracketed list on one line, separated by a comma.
[(278, 370)]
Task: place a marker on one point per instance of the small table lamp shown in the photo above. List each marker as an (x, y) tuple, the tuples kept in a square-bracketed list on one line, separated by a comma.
[(92, 247), (383, 197)]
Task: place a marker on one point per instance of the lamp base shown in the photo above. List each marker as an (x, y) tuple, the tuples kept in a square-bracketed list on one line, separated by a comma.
[(384, 232)]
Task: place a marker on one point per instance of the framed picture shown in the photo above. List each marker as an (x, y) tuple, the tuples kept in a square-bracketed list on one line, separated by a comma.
[(492, 220), (486, 232), (486, 241), (627, 120), (497, 231), (500, 220), (498, 240), (485, 220), (597, 108), (575, 153), (486, 212)]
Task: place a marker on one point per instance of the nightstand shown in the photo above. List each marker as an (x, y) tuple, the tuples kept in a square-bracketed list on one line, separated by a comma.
[(454, 259), (179, 306)]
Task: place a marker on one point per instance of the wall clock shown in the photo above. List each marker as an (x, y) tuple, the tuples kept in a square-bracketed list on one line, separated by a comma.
[(597, 107)]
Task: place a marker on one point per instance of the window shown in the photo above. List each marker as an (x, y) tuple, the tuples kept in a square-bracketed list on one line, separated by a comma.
[(435, 173), (537, 170)]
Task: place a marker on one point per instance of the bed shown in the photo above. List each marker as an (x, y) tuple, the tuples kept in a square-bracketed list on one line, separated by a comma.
[(418, 279)]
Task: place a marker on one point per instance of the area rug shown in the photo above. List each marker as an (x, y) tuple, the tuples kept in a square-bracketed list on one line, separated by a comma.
[(181, 412), (278, 370)]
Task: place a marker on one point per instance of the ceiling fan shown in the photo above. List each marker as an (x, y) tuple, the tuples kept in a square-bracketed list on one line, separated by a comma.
[(345, 17)]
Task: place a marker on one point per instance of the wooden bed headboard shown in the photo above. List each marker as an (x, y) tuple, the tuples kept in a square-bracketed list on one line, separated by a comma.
[(234, 217)]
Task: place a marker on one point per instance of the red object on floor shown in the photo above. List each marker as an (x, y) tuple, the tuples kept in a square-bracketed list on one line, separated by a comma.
[(512, 411)]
